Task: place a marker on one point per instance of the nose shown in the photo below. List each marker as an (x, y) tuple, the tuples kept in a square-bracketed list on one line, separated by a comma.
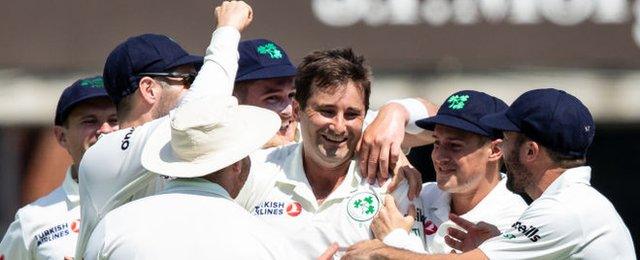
[(338, 124), (439, 157), (106, 128), (287, 111)]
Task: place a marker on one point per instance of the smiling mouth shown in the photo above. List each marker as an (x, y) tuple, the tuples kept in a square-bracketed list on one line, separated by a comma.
[(334, 139), (442, 170)]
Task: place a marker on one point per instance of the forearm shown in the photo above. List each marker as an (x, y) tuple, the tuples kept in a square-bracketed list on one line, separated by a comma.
[(217, 75), (409, 110), (400, 254)]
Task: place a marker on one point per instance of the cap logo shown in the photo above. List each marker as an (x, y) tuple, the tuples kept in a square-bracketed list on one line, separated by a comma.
[(92, 83), (271, 50), (457, 102), (587, 128)]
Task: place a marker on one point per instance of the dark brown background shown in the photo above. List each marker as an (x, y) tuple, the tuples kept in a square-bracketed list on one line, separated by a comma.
[(68, 35)]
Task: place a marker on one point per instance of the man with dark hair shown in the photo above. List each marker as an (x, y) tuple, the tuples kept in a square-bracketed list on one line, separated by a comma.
[(568, 218), (146, 76), (48, 228), (312, 191)]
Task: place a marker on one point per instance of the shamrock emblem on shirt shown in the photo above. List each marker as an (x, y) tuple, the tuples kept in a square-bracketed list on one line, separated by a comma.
[(363, 206)]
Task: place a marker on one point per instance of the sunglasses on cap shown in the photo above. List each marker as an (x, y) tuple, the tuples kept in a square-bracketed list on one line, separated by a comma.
[(187, 78)]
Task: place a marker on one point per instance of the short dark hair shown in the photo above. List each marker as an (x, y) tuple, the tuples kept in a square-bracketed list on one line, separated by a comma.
[(330, 69), (562, 160), (241, 89)]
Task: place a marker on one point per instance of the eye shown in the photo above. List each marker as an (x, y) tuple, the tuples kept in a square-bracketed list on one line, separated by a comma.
[(113, 121), (352, 115), (326, 112), (89, 121), (272, 99)]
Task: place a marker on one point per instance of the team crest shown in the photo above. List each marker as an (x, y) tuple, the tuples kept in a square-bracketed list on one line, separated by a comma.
[(363, 206)]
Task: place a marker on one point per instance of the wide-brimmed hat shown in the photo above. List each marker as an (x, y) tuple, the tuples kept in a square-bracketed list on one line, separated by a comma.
[(206, 135)]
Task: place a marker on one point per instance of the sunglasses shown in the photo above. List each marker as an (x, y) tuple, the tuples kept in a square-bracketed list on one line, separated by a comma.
[(187, 78)]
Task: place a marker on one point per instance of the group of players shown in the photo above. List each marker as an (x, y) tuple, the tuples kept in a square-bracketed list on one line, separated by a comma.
[(241, 155)]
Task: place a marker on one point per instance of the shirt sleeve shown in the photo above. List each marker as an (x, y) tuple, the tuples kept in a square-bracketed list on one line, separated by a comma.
[(13, 245), (218, 73), (402, 239), (546, 230)]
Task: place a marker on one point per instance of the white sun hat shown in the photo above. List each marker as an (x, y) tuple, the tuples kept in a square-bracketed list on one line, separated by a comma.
[(206, 135)]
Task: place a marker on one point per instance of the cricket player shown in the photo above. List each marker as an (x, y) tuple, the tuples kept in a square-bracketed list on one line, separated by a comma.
[(312, 191), (547, 133), (195, 217), (146, 76), (466, 156), (265, 79), (48, 228)]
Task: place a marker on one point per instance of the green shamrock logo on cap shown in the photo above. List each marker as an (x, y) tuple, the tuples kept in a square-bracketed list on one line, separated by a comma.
[(92, 83), (270, 49), (457, 102)]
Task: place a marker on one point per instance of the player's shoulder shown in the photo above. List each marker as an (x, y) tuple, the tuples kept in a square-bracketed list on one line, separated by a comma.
[(36, 214), (430, 192), (123, 139), (55, 199), (275, 155)]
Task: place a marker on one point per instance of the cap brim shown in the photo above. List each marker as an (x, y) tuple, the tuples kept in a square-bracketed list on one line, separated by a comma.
[(65, 111), (499, 121), (450, 121), (276, 71), (197, 62), (248, 131)]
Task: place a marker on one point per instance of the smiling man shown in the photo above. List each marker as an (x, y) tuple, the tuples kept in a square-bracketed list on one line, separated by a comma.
[(265, 79), (467, 158), (312, 191), (48, 227)]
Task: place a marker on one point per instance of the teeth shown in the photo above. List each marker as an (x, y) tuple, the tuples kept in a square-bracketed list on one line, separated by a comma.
[(335, 139)]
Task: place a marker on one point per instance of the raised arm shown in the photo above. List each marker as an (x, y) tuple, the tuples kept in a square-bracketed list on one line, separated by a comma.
[(217, 75)]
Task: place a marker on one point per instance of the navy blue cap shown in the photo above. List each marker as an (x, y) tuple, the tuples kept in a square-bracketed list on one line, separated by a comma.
[(262, 59), (139, 54), (80, 91), (551, 117), (463, 111)]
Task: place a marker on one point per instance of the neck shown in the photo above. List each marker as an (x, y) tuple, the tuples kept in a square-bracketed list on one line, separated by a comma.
[(542, 180), (137, 120), (74, 171), (323, 180), (461, 203)]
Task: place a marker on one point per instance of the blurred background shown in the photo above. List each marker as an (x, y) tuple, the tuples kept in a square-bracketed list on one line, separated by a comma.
[(426, 48)]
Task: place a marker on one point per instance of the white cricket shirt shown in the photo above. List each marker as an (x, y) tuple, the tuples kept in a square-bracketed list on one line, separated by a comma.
[(191, 219), (277, 191), (500, 207), (111, 173), (47, 228), (571, 220)]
